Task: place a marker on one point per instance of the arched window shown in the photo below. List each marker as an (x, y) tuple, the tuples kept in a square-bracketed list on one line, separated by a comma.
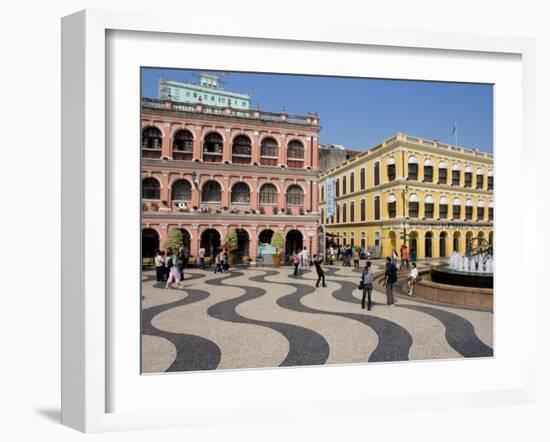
[(456, 208), (442, 173), (391, 168), (212, 148), (269, 152), (469, 209), (392, 206), (428, 206), (376, 173), (456, 175), (151, 142), (362, 178), (480, 210), (376, 207), (295, 195), (363, 210), (443, 208), (183, 145), (268, 194), (242, 150), (337, 213), (491, 205), (211, 192), (413, 206), (344, 213), (240, 193), (150, 189), (295, 154), (352, 182), (351, 212), (181, 191), (413, 168), (479, 178), (490, 180), (428, 171), (468, 176)]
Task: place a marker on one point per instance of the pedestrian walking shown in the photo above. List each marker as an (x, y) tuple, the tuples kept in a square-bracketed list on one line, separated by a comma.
[(159, 265), (180, 264), (413, 255), (394, 257), (174, 275), (356, 257), (413, 279), (367, 278), (295, 259), (320, 272), (304, 255), (202, 254), (219, 262), (404, 256), (390, 277)]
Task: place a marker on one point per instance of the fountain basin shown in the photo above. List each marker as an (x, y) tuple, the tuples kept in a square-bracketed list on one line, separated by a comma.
[(443, 274)]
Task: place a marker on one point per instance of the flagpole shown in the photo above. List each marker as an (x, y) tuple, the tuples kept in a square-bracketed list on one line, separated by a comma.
[(456, 134)]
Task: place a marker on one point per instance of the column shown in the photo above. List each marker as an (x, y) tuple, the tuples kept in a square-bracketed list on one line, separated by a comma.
[(197, 144), (307, 195), (226, 193), (315, 149), (282, 150), (307, 153), (256, 148), (165, 188), (166, 151), (435, 244), (195, 192), (315, 197), (254, 194), (282, 195), (195, 240), (227, 146), (253, 245)]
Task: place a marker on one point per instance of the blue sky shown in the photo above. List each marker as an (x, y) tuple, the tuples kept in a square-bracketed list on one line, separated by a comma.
[(359, 113)]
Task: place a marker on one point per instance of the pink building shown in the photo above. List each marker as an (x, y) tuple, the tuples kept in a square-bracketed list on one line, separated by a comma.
[(206, 170)]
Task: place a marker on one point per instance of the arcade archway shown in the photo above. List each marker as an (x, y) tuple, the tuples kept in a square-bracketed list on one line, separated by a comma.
[(210, 240), (294, 241), (150, 243)]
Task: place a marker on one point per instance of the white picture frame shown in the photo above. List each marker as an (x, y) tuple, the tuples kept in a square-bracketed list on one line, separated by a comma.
[(87, 214)]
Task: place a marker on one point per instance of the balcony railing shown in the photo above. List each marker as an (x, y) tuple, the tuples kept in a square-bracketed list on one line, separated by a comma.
[(156, 104)]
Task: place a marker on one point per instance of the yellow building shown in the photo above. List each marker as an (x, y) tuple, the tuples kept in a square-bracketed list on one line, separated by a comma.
[(432, 195)]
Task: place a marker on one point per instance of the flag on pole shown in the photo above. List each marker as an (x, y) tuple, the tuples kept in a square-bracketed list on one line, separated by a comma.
[(454, 129)]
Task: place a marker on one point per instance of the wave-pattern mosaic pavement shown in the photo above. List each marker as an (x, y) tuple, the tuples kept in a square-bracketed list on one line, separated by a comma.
[(265, 317)]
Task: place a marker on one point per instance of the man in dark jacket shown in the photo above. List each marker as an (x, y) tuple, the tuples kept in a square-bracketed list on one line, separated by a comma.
[(390, 278), (320, 272)]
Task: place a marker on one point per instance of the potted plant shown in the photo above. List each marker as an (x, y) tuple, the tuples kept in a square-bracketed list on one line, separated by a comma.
[(278, 242)]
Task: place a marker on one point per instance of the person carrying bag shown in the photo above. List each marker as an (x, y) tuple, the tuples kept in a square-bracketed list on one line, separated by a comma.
[(367, 278)]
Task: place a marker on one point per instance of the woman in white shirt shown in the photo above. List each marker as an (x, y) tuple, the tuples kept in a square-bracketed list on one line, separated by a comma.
[(413, 277)]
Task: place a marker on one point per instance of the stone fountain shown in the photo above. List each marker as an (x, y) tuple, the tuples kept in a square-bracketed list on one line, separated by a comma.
[(474, 269)]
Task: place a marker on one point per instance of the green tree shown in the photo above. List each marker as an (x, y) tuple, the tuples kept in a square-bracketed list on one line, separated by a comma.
[(231, 240), (277, 241), (174, 240)]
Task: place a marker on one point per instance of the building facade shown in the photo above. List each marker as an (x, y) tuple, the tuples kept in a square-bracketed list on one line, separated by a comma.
[(208, 91), (207, 170), (433, 196)]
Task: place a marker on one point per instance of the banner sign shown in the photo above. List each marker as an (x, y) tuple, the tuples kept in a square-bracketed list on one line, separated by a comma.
[(330, 197)]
